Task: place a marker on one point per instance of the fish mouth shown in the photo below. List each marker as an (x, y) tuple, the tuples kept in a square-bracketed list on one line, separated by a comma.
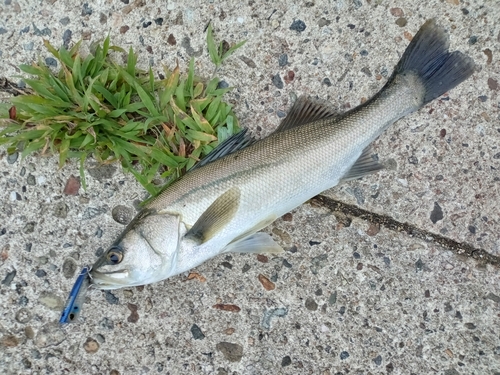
[(109, 280)]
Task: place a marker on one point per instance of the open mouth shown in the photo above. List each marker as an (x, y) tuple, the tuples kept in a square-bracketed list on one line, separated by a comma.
[(109, 280)]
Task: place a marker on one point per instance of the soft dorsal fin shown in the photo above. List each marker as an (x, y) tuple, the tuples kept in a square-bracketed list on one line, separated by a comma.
[(363, 166), (232, 144), (215, 217), (303, 112)]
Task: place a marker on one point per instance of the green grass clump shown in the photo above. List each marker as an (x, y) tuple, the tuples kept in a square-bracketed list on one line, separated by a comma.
[(218, 53), (94, 106)]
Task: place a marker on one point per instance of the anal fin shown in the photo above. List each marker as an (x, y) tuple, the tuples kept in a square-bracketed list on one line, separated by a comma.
[(363, 166)]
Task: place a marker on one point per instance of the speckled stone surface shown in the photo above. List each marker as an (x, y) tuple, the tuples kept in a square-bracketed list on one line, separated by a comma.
[(347, 297)]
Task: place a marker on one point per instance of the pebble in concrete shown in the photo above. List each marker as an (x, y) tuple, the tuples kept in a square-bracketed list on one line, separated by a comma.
[(232, 352)]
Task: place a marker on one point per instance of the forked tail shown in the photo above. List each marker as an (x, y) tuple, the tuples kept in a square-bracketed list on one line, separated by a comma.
[(428, 57)]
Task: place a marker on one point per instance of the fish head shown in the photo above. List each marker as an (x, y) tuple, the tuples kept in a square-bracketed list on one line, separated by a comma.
[(145, 252)]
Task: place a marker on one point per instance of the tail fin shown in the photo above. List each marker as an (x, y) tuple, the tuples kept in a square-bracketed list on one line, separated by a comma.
[(428, 56)]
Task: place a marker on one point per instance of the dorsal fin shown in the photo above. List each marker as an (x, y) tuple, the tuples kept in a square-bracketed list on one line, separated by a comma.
[(303, 112), (363, 166), (232, 144)]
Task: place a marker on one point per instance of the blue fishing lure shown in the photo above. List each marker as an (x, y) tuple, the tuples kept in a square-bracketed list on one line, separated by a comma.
[(76, 298)]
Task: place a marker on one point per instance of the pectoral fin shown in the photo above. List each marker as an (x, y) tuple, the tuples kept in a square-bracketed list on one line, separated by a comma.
[(216, 217), (257, 243)]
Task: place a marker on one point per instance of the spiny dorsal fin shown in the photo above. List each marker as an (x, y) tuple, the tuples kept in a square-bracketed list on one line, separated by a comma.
[(303, 112), (232, 144), (363, 166), (216, 216)]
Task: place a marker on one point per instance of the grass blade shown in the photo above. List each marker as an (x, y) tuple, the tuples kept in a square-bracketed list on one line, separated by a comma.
[(200, 136), (32, 147), (74, 50), (65, 58), (197, 90), (202, 122), (131, 62), (180, 100), (231, 50), (212, 48), (63, 152), (51, 49), (212, 109), (189, 83), (143, 95), (77, 71), (170, 86), (107, 95), (31, 69)]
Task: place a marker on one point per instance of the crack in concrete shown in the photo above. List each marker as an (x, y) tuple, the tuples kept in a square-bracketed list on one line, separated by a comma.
[(345, 212)]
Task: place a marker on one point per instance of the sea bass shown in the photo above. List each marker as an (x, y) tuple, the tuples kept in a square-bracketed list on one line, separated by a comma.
[(244, 185)]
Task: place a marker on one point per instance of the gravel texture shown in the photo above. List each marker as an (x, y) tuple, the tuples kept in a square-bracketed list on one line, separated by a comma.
[(349, 295)]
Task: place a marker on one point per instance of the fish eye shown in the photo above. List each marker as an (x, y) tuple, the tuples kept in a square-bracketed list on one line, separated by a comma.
[(114, 256)]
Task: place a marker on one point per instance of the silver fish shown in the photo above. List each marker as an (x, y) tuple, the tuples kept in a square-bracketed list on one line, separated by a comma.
[(244, 185)]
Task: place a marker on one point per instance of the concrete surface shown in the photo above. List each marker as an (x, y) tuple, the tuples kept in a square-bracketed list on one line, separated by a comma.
[(350, 297)]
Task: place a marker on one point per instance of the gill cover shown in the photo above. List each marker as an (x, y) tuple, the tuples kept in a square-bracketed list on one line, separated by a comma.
[(145, 252)]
